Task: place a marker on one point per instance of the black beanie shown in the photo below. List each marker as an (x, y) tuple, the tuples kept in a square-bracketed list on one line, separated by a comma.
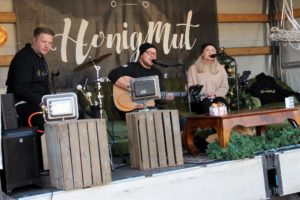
[(204, 45), (145, 46)]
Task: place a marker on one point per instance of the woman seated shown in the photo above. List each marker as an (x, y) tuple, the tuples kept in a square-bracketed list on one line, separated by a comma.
[(207, 71)]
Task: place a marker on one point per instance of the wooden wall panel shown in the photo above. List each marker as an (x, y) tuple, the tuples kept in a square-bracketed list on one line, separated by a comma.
[(242, 18), (247, 51), (295, 11), (8, 17), (5, 60)]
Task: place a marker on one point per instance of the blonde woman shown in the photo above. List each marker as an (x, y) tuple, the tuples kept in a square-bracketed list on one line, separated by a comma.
[(207, 71)]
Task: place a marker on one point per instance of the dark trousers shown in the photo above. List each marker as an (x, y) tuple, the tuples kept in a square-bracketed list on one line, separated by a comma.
[(202, 106), (24, 111)]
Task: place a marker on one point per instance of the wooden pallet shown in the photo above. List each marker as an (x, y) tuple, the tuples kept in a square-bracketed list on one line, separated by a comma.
[(78, 153), (154, 139)]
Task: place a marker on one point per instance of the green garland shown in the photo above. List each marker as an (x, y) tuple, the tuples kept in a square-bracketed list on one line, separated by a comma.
[(241, 146)]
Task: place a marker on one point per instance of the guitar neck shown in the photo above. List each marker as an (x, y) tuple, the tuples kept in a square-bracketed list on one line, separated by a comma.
[(175, 94)]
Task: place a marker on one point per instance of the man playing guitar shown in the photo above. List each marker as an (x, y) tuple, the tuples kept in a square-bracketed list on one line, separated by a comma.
[(121, 76)]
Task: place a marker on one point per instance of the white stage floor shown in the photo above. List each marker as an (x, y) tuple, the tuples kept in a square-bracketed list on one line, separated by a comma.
[(122, 172), (198, 178)]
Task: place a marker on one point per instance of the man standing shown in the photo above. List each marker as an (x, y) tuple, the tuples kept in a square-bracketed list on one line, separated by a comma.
[(28, 76), (28, 80)]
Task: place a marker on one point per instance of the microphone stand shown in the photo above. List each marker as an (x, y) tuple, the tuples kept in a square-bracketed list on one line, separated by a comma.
[(186, 79), (52, 80), (98, 87), (236, 84), (187, 89)]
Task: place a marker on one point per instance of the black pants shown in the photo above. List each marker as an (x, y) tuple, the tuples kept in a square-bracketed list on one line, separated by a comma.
[(24, 111), (202, 106)]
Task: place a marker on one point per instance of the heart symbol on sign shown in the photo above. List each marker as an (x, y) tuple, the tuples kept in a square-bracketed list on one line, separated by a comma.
[(145, 4)]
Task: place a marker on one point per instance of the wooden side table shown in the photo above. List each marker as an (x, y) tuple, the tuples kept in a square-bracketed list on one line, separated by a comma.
[(224, 124)]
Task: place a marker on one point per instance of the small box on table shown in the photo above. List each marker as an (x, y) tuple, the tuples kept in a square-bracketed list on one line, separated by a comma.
[(217, 109), (154, 139)]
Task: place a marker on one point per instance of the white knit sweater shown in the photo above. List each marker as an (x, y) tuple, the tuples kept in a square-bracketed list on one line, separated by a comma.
[(212, 83)]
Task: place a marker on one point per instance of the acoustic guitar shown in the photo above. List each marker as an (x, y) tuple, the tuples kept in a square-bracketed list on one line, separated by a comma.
[(122, 99)]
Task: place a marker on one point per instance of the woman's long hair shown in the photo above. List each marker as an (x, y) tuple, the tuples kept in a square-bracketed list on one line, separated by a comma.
[(201, 65)]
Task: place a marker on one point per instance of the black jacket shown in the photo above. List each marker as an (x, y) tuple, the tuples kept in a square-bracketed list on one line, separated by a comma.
[(135, 70), (268, 91), (28, 76)]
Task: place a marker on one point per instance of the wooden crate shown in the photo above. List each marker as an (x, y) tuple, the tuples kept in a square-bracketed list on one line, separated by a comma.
[(78, 153), (154, 139)]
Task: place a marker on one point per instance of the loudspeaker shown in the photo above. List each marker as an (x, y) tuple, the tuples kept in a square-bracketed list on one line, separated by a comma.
[(20, 156)]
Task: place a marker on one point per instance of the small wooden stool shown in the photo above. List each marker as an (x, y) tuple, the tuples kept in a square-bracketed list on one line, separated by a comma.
[(154, 139), (78, 153)]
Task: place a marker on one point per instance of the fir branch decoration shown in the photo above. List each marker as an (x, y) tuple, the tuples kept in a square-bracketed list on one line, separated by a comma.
[(241, 146)]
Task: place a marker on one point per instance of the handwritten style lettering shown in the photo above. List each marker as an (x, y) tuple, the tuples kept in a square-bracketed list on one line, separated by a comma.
[(157, 31)]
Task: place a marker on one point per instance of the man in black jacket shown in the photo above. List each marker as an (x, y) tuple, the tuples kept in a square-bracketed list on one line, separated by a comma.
[(144, 67), (28, 80), (28, 76)]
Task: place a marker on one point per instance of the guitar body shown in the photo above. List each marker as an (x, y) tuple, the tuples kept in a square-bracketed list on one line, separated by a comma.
[(123, 102), (122, 97)]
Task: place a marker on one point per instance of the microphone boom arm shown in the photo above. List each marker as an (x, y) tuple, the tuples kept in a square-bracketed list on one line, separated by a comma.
[(166, 65)]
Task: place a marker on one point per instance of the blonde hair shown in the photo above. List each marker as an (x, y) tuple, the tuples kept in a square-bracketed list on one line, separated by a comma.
[(201, 65)]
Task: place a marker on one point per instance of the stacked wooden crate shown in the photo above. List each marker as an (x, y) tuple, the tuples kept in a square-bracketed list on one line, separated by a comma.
[(154, 139), (78, 153)]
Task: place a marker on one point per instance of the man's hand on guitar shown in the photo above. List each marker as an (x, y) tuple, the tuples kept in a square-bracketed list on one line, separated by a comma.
[(123, 102), (139, 106), (124, 82)]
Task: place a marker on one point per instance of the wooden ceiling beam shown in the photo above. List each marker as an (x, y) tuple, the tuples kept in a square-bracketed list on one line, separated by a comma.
[(296, 13), (248, 51), (5, 60), (8, 17), (242, 18), (250, 18)]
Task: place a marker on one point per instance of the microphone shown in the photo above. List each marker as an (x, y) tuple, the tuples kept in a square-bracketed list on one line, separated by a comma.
[(217, 54), (166, 65)]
